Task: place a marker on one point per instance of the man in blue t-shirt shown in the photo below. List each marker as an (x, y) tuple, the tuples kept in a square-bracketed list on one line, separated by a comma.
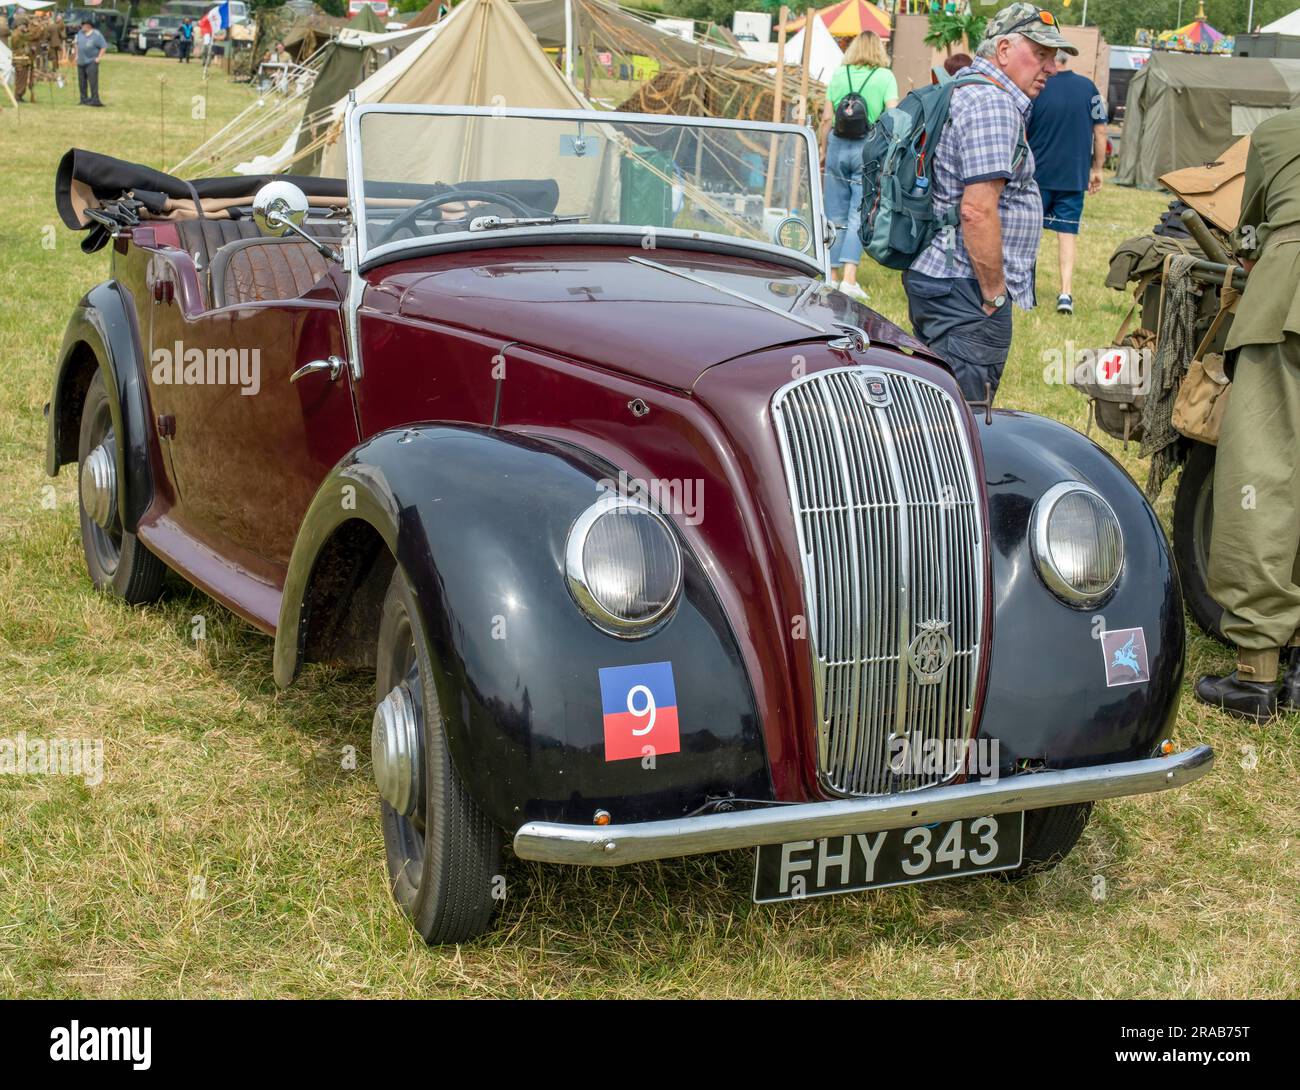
[(1067, 132)]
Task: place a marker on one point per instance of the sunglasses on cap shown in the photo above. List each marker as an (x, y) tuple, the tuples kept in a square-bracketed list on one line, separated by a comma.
[(1044, 17)]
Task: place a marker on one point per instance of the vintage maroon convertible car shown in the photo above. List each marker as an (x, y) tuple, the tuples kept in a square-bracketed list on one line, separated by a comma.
[(655, 544)]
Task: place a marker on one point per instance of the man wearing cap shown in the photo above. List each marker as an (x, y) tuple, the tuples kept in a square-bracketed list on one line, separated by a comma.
[(91, 47), (959, 286), (1254, 569)]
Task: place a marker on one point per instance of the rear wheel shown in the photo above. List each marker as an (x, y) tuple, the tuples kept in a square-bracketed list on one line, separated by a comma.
[(444, 855), (1050, 835), (1193, 522), (118, 561)]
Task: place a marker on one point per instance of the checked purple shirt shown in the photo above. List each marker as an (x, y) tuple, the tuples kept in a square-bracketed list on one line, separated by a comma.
[(987, 126)]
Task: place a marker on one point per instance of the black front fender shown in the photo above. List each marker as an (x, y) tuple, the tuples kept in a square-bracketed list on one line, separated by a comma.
[(103, 325), (1047, 698), (478, 519)]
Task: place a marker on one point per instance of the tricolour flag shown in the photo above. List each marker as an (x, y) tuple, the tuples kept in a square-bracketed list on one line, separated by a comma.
[(217, 19)]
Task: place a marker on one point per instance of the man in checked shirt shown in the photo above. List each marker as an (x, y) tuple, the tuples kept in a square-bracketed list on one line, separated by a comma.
[(959, 285)]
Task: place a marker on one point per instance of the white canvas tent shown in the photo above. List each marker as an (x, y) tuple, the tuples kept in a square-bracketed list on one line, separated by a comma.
[(482, 54), (826, 55), (1288, 24)]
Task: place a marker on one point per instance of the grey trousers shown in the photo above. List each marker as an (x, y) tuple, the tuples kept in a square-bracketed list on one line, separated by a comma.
[(948, 316), (88, 81)]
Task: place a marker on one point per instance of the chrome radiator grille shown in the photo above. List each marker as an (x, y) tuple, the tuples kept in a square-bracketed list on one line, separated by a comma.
[(883, 488)]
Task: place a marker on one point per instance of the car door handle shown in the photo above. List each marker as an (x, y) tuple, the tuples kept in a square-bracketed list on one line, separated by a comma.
[(333, 365)]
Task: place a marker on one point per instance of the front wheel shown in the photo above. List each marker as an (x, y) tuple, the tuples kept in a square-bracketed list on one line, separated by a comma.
[(1193, 523), (1050, 835), (444, 855), (118, 561)]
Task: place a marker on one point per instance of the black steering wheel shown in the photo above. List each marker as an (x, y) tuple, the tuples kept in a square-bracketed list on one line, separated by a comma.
[(406, 221)]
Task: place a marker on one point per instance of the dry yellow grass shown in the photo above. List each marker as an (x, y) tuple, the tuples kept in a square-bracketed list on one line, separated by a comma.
[(227, 852)]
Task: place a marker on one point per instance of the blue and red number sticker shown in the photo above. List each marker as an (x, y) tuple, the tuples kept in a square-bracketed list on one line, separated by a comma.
[(640, 710)]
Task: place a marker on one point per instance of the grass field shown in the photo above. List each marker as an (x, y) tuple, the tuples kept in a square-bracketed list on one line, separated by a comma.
[(227, 851)]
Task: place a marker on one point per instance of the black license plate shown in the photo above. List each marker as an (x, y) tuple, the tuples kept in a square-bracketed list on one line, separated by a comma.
[(893, 857)]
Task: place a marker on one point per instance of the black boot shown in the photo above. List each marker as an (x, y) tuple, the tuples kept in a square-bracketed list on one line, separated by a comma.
[(1255, 700), (1290, 694)]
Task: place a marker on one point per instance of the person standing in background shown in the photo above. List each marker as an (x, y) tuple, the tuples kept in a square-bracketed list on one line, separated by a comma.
[(1067, 132), (185, 41), (861, 89), (91, 47)]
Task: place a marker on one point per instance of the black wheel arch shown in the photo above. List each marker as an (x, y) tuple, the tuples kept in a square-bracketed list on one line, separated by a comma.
[(102, 334), (477, 519), (1047, 701)]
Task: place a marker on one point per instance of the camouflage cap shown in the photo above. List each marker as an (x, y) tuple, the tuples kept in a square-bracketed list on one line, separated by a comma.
[(1035, 23)]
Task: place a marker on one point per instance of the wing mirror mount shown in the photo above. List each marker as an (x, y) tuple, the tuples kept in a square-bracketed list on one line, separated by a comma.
[(279, 208)]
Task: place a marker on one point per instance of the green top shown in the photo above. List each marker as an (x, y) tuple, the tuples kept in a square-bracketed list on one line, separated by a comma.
[(876, 85), (1270, 306)]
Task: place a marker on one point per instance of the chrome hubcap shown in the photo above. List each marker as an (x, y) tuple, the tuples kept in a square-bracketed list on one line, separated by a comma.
[(395, 750), (99, 486)]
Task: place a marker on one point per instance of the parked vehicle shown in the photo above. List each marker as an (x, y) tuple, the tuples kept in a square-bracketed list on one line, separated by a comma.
[(157, 32), (108, 21), (653, 544)]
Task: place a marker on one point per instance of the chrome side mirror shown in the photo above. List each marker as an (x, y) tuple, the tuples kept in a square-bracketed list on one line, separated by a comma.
[(278, 207)]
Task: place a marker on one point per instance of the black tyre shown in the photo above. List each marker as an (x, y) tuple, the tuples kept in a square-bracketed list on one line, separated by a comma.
[(1050, 835), (118, 562), (1193, 523), (444, 860)]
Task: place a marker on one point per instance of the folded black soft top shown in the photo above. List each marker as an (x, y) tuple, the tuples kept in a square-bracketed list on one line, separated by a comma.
[(109, 178)]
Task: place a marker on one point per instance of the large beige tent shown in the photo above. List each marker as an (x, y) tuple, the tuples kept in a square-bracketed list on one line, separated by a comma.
[(482, 54), (1185, 109)]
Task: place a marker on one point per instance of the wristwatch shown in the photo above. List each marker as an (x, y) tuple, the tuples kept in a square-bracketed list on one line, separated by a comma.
[(997, 302)]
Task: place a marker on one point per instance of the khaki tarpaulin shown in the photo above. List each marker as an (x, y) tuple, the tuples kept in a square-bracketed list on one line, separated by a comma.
[(1185, 110), (1214, 189)]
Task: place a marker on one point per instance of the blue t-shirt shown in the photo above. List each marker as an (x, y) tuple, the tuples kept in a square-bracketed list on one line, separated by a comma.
[(1060, 131)]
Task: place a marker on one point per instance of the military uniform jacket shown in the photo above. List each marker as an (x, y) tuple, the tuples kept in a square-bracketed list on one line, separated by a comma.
[(1270, 208)]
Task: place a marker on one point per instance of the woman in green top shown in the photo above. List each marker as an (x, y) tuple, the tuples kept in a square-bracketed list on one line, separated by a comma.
[(865, 72)]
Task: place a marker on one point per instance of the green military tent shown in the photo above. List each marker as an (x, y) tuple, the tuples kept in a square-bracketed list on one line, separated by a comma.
[(367, 20), (1184, 109)]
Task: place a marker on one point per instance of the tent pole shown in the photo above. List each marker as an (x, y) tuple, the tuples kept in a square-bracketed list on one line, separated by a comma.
[(801, 110), (568, 41), (776, 104)]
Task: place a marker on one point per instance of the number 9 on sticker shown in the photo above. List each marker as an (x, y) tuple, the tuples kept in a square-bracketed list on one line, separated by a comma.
[(639, 706)]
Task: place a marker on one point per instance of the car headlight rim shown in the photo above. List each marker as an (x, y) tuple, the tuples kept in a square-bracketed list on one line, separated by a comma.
[(578, 576), (1045, 560)]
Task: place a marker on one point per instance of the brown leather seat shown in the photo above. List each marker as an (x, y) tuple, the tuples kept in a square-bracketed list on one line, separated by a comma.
[(202, 238), (254, 270)]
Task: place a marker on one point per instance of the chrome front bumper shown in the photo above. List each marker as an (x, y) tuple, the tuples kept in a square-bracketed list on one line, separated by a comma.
[(613, 845)]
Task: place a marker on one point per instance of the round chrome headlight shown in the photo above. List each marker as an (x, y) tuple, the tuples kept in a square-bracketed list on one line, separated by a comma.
[(1077, 543), (624, 566)]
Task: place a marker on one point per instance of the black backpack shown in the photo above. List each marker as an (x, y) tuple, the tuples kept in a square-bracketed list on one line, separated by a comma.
[(851, 113)]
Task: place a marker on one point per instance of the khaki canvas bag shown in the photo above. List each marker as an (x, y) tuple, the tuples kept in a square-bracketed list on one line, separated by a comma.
[(1203, 394)]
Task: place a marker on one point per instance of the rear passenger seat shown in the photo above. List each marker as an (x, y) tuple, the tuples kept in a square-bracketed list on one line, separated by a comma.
[(236, 263)]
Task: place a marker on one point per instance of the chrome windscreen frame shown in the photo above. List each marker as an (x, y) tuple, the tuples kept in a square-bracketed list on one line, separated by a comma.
[(817, 263)]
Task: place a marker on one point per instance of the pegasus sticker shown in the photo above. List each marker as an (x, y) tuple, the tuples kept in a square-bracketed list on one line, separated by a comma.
[(1125, 656)]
